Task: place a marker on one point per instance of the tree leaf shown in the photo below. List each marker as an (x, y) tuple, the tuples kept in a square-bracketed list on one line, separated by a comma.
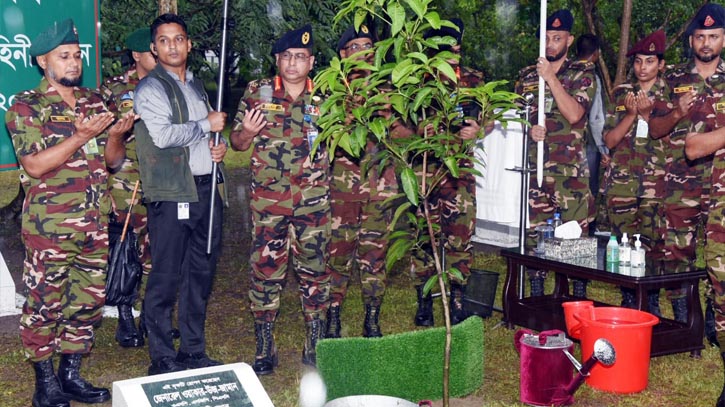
[(410, 185), (396, 12)]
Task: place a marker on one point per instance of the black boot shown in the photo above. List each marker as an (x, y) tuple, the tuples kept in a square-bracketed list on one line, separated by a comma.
[(76, 387), (314, 334), (265, 359), (579, 288), (679, 309), (47, 388), (456, 304), (653, 303), (537, 286), (424, 315), (126, 333), (721, 399), (710, 332), (333, 322), (628, 297), (371, 327)]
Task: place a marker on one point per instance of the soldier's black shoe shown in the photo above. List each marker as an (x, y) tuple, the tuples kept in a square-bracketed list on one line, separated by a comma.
[(628, 298), (424, 314), (74, 386), (313, 335), (165, 365), (710, 332), (371, 326), (679, 309), (47, 387), (537, 286), (456, 304), (579, 288), (265, 359), (333, 322), (653, 302), (126, 333), (196, 360)]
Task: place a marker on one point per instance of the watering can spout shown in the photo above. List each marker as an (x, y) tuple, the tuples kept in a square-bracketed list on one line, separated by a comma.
[(604, 353)]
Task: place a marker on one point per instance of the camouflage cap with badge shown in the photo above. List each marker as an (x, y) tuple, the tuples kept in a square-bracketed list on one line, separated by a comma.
[(653, 44), (299, 38), (59, 33), (139, 40), (352, 34)]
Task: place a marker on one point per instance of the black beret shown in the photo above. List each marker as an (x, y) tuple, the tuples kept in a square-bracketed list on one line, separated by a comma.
[(299, 38), (447, 31), (139, 40), (351, 34), (653, 44), (710, 16), (59, 33)]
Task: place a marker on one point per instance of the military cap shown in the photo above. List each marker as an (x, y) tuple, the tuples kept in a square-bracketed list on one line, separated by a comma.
[(447, 31), (352, 34), (710, 16), (59, 33), (299, 38), (653, 44), (139, 40)]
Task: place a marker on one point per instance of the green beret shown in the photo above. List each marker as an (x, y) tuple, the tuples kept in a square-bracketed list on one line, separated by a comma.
[(299, 38), (139, 40), (57, 34)]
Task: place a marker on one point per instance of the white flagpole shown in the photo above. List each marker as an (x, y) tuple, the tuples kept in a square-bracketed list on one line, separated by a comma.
[(542, 104)]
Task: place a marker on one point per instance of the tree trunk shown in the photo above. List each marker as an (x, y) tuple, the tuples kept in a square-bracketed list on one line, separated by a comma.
[(623, 42), (168, 6), (595, 27)]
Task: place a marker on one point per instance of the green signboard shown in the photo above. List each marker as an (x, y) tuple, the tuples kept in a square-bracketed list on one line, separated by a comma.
[(20, 23)]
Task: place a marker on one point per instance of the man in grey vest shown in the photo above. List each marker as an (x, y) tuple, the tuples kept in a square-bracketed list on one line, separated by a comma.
[(176, 157)]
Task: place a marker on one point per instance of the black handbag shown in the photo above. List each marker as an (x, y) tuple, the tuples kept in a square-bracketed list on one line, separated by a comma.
[(123, 272)]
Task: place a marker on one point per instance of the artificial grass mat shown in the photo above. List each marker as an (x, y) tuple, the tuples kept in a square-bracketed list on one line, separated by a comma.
[(408, 365)]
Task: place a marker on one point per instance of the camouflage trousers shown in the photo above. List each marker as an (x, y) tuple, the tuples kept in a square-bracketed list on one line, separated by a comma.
[(138, 222), (684, 219), (638, 215), (304, 235), (571, 195), (66, 280), (715, 258), (453, 208), (359, 240)]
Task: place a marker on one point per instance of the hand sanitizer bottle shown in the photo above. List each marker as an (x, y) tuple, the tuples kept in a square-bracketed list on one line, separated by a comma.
[(625, 251), (612, 250), (638, 254)]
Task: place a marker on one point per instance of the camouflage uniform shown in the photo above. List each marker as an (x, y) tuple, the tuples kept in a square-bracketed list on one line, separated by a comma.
[(715, 228), (360, 220), (566, 184), (687, 186), (453, 206), (64, 225), (118, 94), (289, 200), (635, 183)]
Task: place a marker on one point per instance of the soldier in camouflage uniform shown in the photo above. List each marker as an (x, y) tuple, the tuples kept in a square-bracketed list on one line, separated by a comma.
[(360, 217), (635, 185), (118, 94), (290, 194), (570, 88), (704, 141), (686, 106), (453, 202), (63, 141)]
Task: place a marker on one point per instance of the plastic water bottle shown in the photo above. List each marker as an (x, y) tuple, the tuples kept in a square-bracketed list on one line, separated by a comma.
[(625, 251), (543, 232), (612, 250), (557, 220)]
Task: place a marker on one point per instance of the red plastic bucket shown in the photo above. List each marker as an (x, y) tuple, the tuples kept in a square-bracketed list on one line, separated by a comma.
[(573, 328), (630, 332)]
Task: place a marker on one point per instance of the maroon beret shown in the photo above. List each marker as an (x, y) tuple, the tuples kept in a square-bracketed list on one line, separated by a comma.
[(653, 44)]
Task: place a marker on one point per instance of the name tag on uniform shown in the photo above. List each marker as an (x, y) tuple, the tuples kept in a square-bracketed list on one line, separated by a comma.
[(720, 107), (91, 147), (642, 129), (548, 104), (684, 89), (60, 119), (182, 210), (620, 108), (272, 107)]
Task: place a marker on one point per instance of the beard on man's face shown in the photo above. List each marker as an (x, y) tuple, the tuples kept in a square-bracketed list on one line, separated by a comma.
[(70, 82), (706, 58), (554, 58)]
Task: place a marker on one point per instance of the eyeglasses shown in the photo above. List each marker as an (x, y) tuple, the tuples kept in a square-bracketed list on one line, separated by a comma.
[(358, 47), (299, 56)]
